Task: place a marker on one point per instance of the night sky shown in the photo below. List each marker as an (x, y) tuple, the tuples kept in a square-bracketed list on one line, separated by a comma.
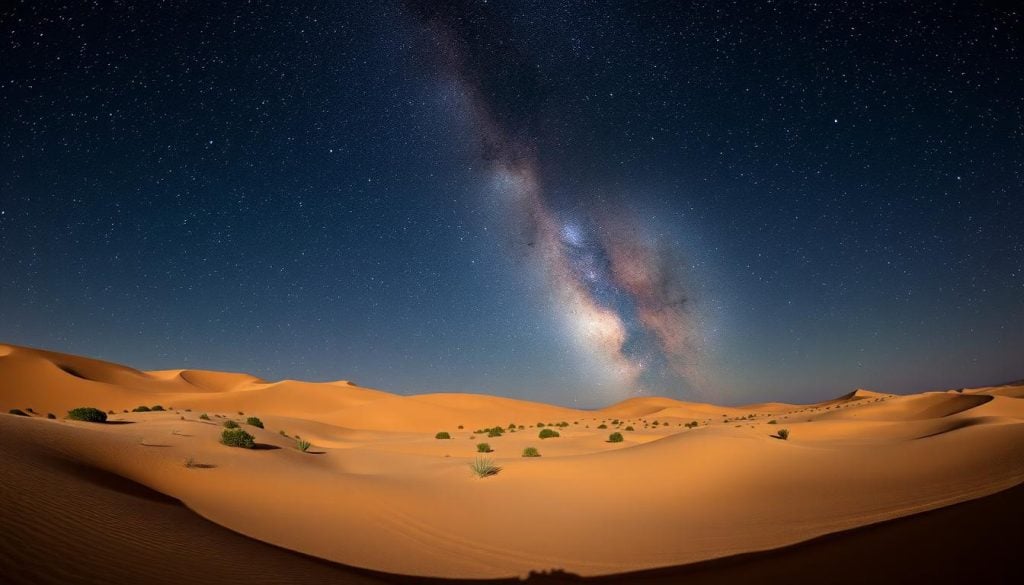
[(574, 202)]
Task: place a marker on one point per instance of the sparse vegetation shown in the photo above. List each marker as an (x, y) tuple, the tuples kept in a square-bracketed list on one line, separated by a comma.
[(17, 412), (692, 424), (495, 432), (602, 426), (484, 448), (548, 434), (302, 444), (531, 452), (236, 437), (773, 422), (230, 424), (783, 434), (442, 435), (484, 467), (87, 414), (254, 421), (629, 428), (51, 416), (141, 409), (157, 408), (615, 438), (204, 416)]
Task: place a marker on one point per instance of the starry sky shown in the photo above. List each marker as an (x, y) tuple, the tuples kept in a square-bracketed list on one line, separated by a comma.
[(575, 202)]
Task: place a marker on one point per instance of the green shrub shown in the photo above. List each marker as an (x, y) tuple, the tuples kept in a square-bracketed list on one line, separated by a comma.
[(784, 434), (236, 437), (157, 408), (602, 426), (531, 452), (302, 445), (629, 428), (484, 467), (87, 414), (615, 438), (51, 416), (230, 424), (252, 420), (548, 434), (18, 412), (141, 409), (495, 432), (483, 448), (442, 435), (204, 416)]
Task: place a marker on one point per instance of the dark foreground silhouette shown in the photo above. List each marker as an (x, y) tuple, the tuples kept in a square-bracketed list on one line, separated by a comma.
[(121, 532)]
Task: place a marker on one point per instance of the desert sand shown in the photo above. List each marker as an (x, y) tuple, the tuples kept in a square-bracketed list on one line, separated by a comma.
[(378, 491)]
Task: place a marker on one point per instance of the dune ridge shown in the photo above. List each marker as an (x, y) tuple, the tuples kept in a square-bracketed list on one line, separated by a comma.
[(379, 491)]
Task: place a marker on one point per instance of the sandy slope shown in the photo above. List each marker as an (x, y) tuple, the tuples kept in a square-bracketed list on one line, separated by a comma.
[(381, 492)]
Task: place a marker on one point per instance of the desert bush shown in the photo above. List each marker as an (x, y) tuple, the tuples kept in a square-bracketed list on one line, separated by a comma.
[(784, 434), (230, 424), (252, 420), (141, 409), (484, 467), (773, 422), (236, 437), (51, 416), (87, 414), (17, 412), (531, 452), (629, 428), (615, 438), (442, 435), (460, 427), (157, 408), (495, 432), (548, 434), (302, 445), (204, 416), (540, 425), (602, 426), (484, 448)]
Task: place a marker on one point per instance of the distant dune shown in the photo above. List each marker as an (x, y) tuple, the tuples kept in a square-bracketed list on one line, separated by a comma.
[(688, 483)]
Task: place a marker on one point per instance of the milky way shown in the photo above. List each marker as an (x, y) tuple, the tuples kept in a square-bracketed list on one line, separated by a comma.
[(617, 289)]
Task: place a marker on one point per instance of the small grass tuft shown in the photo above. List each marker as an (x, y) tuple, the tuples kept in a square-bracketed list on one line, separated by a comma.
[(141, 409), (254, 421), (484, 467), (204, 416), (484, 448), (157, 408), (602, 426), (615, 438), (773, 422), (531, 452), (783, 434), (548, 434), (442, 435), (302, 445), (629, 428), (51, 416), (230, 424)]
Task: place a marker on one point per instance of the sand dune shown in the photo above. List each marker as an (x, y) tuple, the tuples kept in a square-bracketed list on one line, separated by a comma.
[(379, 491)]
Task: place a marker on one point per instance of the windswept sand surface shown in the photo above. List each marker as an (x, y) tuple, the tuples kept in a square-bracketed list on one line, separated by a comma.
[(377, 490)]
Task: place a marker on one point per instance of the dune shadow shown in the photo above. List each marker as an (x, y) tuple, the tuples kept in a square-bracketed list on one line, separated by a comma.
[(264, 447), (119, 422), (202, 466), (73, 372), (153, 445)]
